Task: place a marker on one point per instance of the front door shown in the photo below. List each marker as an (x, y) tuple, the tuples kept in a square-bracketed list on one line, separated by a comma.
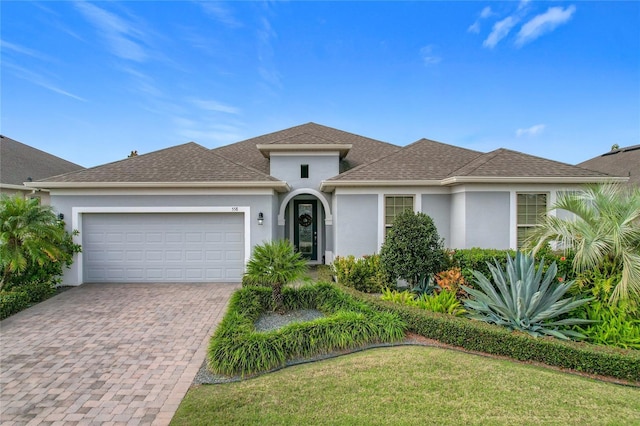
[(305, 228)]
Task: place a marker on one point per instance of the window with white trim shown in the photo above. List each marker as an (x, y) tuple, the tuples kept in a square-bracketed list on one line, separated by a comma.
[(532, 208), (393, 206)]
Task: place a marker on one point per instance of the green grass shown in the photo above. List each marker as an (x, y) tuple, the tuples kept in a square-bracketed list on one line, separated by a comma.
[(412, 385)]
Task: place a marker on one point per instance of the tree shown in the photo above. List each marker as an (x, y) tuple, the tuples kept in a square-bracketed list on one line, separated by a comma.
[(412, 248), (604, 232), (31, 240), (275, 264)]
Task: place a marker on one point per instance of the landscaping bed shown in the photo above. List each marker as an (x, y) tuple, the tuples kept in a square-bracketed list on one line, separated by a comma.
[(238, 348)]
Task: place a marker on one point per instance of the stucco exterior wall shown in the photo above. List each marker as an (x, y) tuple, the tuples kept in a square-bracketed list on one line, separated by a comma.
[(487, 220), (438, 207), (356, 224), (287, 168), (457, 229)]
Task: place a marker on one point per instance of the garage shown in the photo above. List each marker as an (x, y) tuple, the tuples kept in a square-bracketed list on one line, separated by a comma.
[(162, 247)]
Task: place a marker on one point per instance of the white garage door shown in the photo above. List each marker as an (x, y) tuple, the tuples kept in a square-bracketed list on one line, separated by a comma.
[(170, 247)]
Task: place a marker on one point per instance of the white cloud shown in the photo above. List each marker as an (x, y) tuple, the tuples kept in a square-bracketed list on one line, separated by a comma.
[(214, 106), (500, 30), (531, 131), (484, 14), (5, 45), (544, 23), (41, 81), (220, 13), (428, 57), (118, 33)]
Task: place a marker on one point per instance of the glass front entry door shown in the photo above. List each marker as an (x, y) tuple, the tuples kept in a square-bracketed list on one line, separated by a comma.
[(305, 235)]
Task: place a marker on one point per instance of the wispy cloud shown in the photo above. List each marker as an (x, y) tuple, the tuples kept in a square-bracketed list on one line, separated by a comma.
[(266, 64), (500, 30), (214, 106), (531, 131), (484, 14), (428, 57), (40, 80), (7, 46), (544, 23), (220, 13), (123, 39)]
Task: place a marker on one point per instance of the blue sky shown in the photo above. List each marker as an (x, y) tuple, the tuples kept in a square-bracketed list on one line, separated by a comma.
[(91, 81)]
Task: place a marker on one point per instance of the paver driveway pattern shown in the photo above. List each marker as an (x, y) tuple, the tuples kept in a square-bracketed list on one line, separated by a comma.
[(107, 353)]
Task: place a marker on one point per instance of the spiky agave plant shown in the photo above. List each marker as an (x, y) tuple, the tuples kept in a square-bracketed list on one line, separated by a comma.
[(523, 299)]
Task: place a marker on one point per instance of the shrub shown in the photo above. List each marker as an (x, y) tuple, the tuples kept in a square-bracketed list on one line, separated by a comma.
[(364, 274), (492, 339), (444, 302), (274, 264), (12, 302), (237, 348), (524, 300), (477, 259), (452, 280), (412, 248)]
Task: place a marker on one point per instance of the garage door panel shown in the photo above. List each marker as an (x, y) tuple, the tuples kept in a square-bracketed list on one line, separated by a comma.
[(162, 247)]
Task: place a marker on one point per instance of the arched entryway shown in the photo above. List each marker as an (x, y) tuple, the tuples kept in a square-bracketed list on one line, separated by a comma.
[(306, 217)]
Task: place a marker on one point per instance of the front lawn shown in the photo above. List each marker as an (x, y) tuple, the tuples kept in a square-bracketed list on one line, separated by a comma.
[(412, 385)]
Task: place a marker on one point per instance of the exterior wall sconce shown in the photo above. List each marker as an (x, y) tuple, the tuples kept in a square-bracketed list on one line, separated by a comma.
[(260, 218), (60, 216)]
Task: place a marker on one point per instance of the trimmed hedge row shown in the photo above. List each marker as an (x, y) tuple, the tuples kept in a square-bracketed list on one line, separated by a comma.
[(237, 348), (23, 296), (492, 339)]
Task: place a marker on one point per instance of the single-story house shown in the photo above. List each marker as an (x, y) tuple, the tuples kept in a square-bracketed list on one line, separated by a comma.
[(618, 162), (22, 163), (189, 213)]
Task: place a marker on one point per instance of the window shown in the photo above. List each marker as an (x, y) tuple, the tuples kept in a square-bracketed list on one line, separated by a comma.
[(304, 171), (394, 205), (531, 209)]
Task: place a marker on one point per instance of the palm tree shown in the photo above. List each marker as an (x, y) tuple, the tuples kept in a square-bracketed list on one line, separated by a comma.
[(604, 231), (275, 264), (29, 233)]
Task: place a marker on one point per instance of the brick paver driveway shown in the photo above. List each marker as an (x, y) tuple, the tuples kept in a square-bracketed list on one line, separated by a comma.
[(107, 353)]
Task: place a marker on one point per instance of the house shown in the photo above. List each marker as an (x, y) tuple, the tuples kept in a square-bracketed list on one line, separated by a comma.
[(618, 162), (21, 163), (188, 213)]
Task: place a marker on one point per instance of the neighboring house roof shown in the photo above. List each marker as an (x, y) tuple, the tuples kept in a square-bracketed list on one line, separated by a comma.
[(363, 150), (620, 162), (181, 165), (19, 162)]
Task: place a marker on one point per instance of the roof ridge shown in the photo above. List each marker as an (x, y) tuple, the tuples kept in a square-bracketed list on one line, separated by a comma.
[(482, 159)]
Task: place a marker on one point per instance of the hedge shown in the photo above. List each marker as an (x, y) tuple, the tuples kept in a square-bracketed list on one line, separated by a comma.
[(23, 296), (492, 339), (237, 348)]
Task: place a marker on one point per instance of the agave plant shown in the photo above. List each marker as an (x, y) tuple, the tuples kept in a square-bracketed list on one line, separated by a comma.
[(523, 299)]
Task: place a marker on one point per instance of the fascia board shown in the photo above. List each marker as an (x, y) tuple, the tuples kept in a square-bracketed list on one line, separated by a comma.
[(279, 186)]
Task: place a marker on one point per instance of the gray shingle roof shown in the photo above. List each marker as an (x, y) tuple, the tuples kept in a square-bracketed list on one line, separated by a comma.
[(619, 162), (422, 160), (189, 162), (363, 150), (507, 163), (18, 162)]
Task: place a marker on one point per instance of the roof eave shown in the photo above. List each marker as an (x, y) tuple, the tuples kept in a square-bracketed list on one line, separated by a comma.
[(16, 187), (457, 180), (279, 186), (330, 185), (267, 149)]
